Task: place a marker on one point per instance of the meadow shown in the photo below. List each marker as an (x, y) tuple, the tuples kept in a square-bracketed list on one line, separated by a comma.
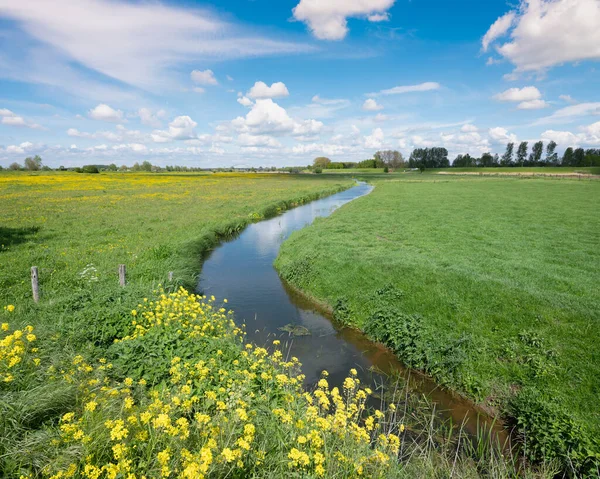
[(150, 380), (488, 285)]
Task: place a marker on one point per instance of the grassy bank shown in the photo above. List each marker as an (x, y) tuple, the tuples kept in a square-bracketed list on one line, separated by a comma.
[(99, 381), (489, 285)]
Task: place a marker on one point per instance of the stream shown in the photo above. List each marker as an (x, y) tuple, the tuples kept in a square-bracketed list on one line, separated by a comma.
[(242, 271)]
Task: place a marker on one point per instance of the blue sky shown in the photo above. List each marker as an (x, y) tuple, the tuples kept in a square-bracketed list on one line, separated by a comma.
[(262, 82)]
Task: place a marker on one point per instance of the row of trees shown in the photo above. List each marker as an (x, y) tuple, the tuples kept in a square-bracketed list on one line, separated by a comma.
[(522, 157), (30, 164), (391, 159)]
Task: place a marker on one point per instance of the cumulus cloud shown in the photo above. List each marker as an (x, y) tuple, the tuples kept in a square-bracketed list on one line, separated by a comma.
[(589, 136), (9, 118), (371, 105), (375, 139), (468, 128), (328, 20), (527, 93), (206, 77), (263, 141), (147, 117), (501, 135), (546, 33), (181, 128), (262, 90), (498, 29), (121, 134), (397, 90), (532, 105), (104, 112), (245, 101)]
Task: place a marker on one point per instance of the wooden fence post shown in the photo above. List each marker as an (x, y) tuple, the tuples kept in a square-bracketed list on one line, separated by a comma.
[(122, 274), (35, 287)]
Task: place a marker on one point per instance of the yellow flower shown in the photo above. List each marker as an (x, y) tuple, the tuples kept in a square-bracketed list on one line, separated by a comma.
[(91, 406), (10, 308), (4, 326), (30, 337), (133, 312), (228, 454)]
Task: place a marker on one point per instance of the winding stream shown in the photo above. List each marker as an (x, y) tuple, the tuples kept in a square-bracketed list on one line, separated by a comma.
[(241, 270)]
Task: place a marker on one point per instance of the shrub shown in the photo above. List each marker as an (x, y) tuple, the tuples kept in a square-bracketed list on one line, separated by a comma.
[(318, 170), (90, 169)]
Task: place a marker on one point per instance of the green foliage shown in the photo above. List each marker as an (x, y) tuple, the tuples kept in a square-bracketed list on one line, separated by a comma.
[(90, 169), (495, 297), (318, 170)]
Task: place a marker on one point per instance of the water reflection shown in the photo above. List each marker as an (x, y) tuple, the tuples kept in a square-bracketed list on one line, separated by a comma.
[(242, 271)]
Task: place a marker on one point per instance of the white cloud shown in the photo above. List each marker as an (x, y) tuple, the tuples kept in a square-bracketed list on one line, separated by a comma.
[(137, 43), (20, 149), (147, 117), (206, 77), (569, 113), (181, 128), (10, 118), (104, 112), (501, 135), (375, 139), (567, 98), (498, 29), (229, 78), (371, 105), (589, 136), (121, 135), (379, 17), (307, 128), (264, 141), (468, 128), (327, 20), (546, 33), (519, 94), (532, 105), (262, 90), (320, 149), (245, 101), (328, 101), (266, 116), (198, 89), (427, 86)]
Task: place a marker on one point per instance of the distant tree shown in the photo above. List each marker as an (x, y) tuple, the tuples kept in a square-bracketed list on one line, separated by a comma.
[(592, 157), (486, 160), (536, 153), (551, 155), (46, 168), (367, 164), (567, 159), (389, 158), (429, 157), (522, 153), (507, 157), (146, 166), (579, 157), (123, 168), (33, 164), (90, 169), (112, 167), (15, 166), (463, 161), (321, 162)]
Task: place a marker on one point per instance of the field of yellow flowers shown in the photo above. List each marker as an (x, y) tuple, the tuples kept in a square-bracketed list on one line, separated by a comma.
[(99, 381)]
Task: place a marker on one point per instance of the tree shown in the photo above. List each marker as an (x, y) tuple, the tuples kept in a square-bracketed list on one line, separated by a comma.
[(389, 158), (522, 153), (33, 164), (486, 160), (551, 155), (536, 153), (146, 166), (15, 166), (112, 167), (321, 162), (578, 157), (429, 158), (567, 159), (507, 157)]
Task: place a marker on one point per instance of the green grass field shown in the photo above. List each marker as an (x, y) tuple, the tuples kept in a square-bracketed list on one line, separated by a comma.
[(489, 285)]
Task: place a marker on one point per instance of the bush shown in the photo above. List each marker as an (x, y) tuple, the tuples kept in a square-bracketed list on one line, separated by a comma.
[(318, 170), (90, 169), (386, 169)]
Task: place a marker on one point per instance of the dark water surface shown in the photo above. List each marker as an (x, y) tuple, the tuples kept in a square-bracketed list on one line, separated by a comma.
[(241, 270)]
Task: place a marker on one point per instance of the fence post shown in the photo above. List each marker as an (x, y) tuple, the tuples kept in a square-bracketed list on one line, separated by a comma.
[(122, 274), (170, 275), (35, 287)]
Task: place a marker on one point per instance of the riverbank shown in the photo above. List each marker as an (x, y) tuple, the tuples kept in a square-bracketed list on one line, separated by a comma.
[(485, 284)]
